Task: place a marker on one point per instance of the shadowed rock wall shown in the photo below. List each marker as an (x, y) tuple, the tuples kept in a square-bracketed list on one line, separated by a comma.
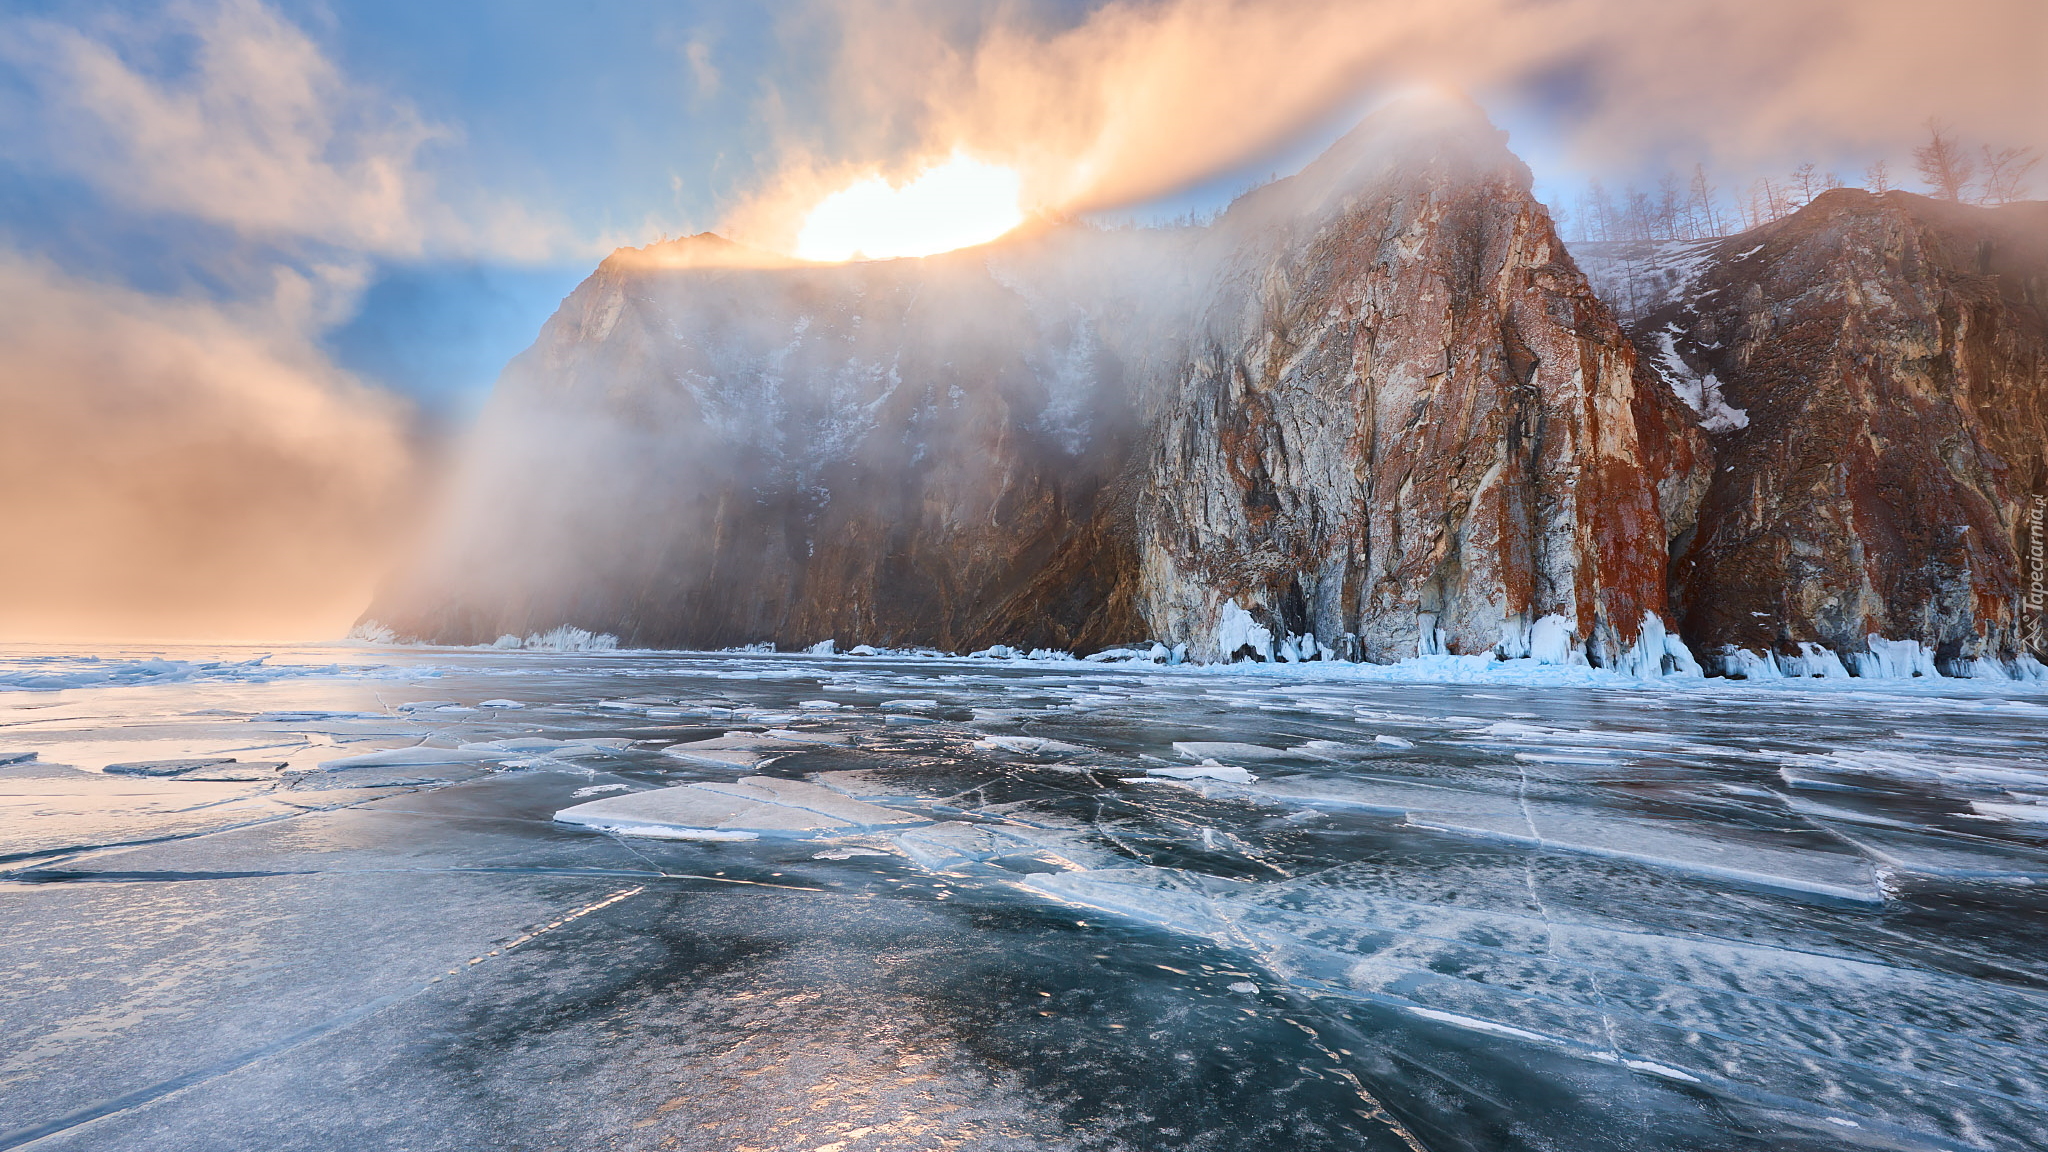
[(1890, 355)]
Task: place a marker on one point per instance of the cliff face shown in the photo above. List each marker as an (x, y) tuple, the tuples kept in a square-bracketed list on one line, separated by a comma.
[(706, 447), (1375, 403), (1405, 419), (1875, 373)]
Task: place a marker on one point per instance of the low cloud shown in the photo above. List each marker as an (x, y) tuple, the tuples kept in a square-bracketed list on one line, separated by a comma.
[(1140, 99), (191, 465), (175, 469)]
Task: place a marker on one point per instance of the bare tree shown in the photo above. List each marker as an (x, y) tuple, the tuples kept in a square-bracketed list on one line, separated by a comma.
[(1767, 202), (1706, 207), (1561, 219), (1943, 163), (1807, 183), (1596, 213), (1670, 208), (1878, 177), (2005, 174)]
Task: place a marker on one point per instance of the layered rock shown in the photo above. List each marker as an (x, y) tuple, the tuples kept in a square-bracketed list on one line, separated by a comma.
[(1406, 419), (1375, 403), (1874, 373)]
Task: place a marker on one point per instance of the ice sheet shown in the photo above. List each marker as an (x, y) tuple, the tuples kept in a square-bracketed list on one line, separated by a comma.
[(1806, 903)]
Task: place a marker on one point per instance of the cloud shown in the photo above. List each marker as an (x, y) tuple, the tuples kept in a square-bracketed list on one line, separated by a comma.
[(703, 73), (258, 130), (1139, 99), (172, 468), (225, 112), (190, 464)]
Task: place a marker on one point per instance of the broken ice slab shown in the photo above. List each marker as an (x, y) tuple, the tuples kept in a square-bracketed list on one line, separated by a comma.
[(794, 736), (1014, 847), (16, 757), (2030, 813), (1813, 781), (419, 754), (1221, 772), (1232, 750), (1833, 875), (1028, 745), (743, 750), (1183, 901), (167, 767), (1389, 797), (538, 745), (1934, 855), (237, 772), (753, 804), (954, 843), (1565, 828), (1329, 750)]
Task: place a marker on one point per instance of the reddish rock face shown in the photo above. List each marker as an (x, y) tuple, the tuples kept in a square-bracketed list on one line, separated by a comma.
[(1376, 402), (1408, 420), (1890, 355)]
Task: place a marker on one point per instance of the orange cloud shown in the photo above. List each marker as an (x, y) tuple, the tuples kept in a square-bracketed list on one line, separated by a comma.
[(1139, 99), (175, 469)]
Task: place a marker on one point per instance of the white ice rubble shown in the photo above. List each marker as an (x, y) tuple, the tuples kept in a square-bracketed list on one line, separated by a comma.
[(1545, 651)]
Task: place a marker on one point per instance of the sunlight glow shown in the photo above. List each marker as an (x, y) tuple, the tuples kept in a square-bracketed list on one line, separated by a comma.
[(961, 202)]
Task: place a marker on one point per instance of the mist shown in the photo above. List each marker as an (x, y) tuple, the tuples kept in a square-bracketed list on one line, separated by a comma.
[(1137, 100), (709, 444), (180, 457), (171, 470)]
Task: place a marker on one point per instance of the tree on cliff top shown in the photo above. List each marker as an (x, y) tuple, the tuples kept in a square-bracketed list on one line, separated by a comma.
[(1943, 163), (2005, 173)]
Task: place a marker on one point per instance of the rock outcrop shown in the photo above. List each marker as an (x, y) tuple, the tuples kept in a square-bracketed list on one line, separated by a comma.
[(1873, 371), (1406, 421), (1375, 404)]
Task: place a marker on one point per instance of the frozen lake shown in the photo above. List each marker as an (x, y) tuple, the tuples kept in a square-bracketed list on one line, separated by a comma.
[(323, 901)]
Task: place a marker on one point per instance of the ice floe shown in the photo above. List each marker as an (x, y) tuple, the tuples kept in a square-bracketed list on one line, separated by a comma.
[(1029, 745), (1208, 771), (754, 805), (417, 755), (1230, 750)]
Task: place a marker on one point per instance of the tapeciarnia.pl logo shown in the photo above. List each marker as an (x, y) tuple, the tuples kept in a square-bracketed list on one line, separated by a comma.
[(2037, 576)]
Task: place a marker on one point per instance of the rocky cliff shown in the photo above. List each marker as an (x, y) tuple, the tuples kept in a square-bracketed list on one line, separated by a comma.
[(1406, 423), (1873, 371), (708, 446), (1373, 410)]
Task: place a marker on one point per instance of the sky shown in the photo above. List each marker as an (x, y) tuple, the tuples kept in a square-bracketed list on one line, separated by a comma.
[(365, 207)]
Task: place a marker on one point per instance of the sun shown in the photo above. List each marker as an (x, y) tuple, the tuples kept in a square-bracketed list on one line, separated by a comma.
[(961, 202)]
